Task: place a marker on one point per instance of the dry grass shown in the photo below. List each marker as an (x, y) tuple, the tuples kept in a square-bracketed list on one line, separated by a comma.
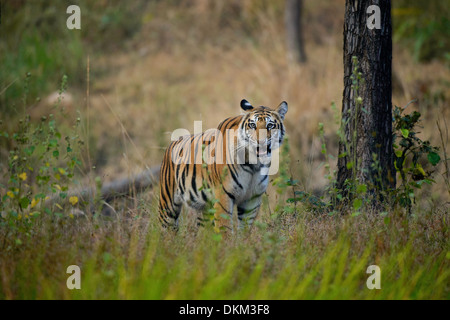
[(296, 257)]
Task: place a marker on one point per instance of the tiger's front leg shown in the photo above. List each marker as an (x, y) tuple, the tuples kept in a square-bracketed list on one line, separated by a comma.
[(248, 211), (223, 215)]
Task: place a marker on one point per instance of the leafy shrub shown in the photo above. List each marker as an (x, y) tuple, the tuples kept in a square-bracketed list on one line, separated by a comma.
[(41, 162), (415, 159)]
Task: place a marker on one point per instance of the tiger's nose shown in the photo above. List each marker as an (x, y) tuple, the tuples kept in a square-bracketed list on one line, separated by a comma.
[(262, 136), (262, 141)]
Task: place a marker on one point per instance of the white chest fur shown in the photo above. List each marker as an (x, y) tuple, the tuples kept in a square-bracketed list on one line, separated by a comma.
[(253, 184)]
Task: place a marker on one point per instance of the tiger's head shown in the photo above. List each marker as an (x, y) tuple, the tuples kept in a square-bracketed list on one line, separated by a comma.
[(262, 128)]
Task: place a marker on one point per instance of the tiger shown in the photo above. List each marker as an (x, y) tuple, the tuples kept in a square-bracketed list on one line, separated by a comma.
[(225, 168)]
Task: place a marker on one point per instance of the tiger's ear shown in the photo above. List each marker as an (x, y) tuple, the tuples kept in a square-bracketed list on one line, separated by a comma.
[(245, 105), (282, 109)]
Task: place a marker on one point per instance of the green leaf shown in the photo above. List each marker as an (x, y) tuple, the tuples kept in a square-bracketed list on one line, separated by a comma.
[(405, 132), (293, 200), (217, 237), (357, 203), (362, 188), (356, 213), (433, 158), (24, 202), (40, 196), (52, 143), (29, 151)]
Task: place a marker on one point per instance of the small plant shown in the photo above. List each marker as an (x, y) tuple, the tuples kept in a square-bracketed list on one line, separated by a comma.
[(415, 159), (330, 190), (41, 163), (284, 181), (354, 192), (286, 184)]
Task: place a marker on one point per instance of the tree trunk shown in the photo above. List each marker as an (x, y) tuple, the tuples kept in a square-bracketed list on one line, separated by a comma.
[(365, 149), (294, 35)]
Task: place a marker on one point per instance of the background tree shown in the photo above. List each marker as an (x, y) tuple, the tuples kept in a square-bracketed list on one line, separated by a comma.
[(294, 34), (366, 146)]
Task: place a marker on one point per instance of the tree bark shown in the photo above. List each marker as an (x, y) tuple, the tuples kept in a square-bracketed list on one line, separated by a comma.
[(365, 149), (294, 34)]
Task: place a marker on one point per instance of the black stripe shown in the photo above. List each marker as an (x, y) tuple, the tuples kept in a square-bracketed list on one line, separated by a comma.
[(169, 212), (233, 175), (225, 209), (165, 223), (263, 179), (199, 139), (246, 170), (242, 211), (181, 183), (167, 190), (252, 166), (228, 194), (193, 183), (177, 171), (191, 196), (223, 123)]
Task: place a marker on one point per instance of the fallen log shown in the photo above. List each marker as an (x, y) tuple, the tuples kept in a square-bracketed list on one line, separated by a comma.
[(89, 197), (126, 186)]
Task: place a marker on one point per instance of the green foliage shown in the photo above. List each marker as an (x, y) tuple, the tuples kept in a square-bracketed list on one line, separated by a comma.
[(415, 159), (354, 191), (46, 50), (287, 185), (423, 27), (311, 202), (284, 178), (41, 162), (38, 43)]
